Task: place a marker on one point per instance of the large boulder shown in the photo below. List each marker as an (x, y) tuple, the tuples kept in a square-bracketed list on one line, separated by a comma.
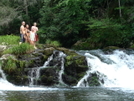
[(48, 76), (75, 68), (14, 70)]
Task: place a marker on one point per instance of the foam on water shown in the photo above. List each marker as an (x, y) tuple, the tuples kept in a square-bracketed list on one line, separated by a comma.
[(119, 73), (5, 85)]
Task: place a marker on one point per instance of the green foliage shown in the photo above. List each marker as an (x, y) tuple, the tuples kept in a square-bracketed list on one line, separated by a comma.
[(63, 19), (10, 66), (19, 49), (104, 22), (107, 32), (9, 39), (54, 43)]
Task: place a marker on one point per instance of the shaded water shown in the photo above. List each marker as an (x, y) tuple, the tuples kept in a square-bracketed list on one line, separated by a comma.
[(65, 94)]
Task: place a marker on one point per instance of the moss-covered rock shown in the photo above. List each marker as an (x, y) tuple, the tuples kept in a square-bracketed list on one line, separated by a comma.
[(17, 68), (14, 70), (85, 45), (48, 51), (109, 48), (93, 80), (34, 59), (48, 76), (75, 68)]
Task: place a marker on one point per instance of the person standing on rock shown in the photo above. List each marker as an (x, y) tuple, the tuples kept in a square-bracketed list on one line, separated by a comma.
[(32, 38), (22, 32), (35, 29), (27, 34)]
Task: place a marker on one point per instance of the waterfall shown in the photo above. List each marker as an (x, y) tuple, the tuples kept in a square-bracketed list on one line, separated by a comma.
[(34, 73), (3, 76), (118, 71), (62, 56), (4, 84), (55, 60)]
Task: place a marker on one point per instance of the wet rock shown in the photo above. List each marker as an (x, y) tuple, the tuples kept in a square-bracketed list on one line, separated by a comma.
[(75, 68), (6, 56), (34, 59), (17, 67), (93, 80), (48, 51), (48, 76)]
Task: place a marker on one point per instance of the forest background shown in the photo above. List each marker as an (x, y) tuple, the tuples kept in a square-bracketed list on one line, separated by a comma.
[(78, 24)]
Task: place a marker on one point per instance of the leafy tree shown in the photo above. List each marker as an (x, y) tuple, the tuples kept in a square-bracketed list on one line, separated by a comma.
[(13, 12), (62, 19), (106, 32)]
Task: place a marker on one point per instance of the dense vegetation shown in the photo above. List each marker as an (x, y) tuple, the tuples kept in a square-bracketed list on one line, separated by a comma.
[(81, 24)]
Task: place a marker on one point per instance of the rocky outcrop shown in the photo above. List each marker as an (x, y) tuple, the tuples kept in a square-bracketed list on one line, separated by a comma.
[(17, 68), (75, 68), (48, 77)]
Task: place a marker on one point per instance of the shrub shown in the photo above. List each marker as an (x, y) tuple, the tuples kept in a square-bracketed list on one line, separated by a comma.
[(19, 49), (9, 39), (55, 43), (10, 66)]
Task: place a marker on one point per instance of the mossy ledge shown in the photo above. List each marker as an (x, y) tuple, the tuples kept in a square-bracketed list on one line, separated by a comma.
[(17, 66)]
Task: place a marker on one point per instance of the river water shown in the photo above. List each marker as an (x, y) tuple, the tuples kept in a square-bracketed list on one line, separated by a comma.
[(116, 69), (68, 94)]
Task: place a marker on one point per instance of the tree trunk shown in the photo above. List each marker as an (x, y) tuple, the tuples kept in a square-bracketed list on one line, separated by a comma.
[(119, 2), (26, 7)]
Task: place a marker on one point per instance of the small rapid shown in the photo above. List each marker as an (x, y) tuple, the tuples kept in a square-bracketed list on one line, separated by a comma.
[(56, 60), (7, 86), (116, 69)]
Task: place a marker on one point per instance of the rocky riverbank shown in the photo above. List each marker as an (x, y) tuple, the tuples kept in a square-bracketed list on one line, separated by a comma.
[(17, 67)]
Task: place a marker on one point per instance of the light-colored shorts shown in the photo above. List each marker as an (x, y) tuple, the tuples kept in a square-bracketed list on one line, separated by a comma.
[(32, 36)]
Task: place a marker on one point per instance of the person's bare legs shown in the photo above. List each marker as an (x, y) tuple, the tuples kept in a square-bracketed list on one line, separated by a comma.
[(33, 44)]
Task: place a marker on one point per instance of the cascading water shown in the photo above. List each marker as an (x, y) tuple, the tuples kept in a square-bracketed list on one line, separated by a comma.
[(116, 69), (55, 60), (5, 85), (34, 73), (62, 56)]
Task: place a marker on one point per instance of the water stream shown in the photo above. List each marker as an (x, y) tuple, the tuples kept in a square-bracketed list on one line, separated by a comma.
[(116, 69), (58, 56)]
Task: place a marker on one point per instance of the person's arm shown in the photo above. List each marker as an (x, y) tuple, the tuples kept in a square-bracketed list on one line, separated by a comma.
[(37, 28), (32, 28)]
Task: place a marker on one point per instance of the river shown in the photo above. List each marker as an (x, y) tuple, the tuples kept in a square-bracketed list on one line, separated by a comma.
[(68, 94), (116, 69)]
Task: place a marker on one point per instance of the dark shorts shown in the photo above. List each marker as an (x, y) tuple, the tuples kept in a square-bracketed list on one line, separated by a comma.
[(22, 38)]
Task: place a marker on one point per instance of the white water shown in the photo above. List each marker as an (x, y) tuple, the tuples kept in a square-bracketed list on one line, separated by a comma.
[(35, 72), (34, 75), (62, 56), (5, 85), (119, 73)]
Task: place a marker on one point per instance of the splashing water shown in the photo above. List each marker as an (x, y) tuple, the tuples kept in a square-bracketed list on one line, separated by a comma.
[(34, 73), (118, 73), (59, 56), (62, 56)]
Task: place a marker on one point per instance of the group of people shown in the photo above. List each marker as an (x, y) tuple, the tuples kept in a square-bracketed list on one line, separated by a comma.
[(27, 35)]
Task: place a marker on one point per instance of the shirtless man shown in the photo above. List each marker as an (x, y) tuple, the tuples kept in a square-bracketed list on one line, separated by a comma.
[(22, 32)]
